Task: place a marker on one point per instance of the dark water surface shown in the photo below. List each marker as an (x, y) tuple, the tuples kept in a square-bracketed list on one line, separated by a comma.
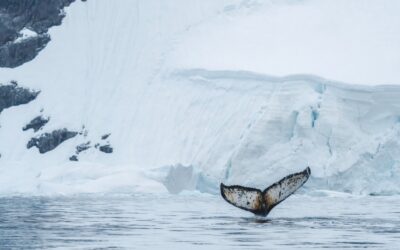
[(197, 222)]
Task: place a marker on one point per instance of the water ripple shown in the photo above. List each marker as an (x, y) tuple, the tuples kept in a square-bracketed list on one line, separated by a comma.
[(198, 222)]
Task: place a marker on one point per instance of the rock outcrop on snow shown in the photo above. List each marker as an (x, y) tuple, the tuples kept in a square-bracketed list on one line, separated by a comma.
[(49, 141), (23, 28), (37, 123), (13, 95)]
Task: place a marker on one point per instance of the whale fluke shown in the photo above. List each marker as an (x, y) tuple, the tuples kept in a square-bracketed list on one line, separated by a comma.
[(262, 202)]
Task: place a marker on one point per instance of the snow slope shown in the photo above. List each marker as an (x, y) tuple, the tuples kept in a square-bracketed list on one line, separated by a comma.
[(189, 83)]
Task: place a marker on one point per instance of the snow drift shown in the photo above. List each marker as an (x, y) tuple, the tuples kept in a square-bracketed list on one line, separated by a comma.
[(115, 73)]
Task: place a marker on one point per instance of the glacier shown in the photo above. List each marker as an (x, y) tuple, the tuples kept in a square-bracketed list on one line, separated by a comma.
[(184, 106)]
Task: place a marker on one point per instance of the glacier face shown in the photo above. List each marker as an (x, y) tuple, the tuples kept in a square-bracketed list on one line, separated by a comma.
[(119, 68), (270, 127)]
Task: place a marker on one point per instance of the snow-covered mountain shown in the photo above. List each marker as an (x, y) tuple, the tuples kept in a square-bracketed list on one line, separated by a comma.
[(150, 96)]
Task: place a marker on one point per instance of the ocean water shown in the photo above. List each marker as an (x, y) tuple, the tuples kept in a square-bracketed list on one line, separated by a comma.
[(197, 221)]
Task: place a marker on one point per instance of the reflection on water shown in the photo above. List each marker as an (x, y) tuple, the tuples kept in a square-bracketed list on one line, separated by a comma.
[(197, 222)]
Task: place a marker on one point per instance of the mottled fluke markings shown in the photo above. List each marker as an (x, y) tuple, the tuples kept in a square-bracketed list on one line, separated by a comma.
[(261, 203)]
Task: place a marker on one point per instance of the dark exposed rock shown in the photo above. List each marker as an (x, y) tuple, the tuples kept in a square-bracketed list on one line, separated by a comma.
[(7, 34), (106, 149), (38, 15), (35, 15), (73, 158), (103, 137), (15, 54), (37, 123), (82, 147), (12, 95), (49, 141)]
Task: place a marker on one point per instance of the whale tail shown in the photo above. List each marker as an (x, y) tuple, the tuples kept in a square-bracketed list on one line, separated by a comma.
[(262, 202)]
